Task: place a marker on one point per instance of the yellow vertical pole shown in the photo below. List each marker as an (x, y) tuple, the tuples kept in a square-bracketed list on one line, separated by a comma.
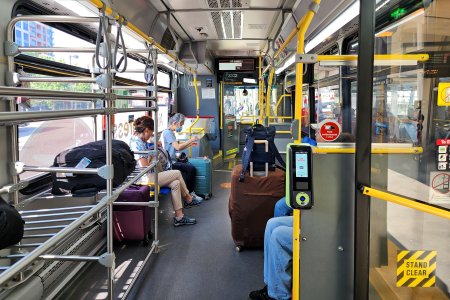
[(269, 92), (260, 89), (221, 104), (298, 115)]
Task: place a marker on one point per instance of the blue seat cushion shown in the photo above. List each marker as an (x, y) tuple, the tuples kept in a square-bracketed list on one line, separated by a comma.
[(164, 191)]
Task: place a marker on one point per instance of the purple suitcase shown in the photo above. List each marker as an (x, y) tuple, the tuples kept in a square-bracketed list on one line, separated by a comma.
[(132, 223)]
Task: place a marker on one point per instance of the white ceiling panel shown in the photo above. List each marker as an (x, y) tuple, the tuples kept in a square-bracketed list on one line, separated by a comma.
[(236, 45), (265, 3), (258, 23), (192, 21), (186, 4)]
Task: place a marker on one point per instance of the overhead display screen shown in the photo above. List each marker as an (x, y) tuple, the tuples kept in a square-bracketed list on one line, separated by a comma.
[(236, 65)]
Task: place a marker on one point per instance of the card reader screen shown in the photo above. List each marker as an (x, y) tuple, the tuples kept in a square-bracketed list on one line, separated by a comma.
[(301, 165)]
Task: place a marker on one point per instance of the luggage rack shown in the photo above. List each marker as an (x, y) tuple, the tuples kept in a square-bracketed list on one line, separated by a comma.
[(36, 246), (43, 219)]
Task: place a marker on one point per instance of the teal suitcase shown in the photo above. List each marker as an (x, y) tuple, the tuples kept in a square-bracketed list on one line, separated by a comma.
[(203, 179)]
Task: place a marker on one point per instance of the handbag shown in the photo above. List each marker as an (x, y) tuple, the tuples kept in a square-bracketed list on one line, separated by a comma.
[(182, 158)]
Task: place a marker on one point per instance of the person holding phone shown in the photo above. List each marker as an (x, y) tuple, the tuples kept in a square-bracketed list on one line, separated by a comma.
[(143, 131), (171, 144)]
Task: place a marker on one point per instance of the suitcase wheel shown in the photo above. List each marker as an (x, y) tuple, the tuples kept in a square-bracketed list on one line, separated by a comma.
[(147, 240), (238, 248)]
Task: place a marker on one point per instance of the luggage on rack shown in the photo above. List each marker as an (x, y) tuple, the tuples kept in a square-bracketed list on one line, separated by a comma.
[(91, 155), (262, 156), (251, 205), (132, 223), (11, 225), (203, 178)]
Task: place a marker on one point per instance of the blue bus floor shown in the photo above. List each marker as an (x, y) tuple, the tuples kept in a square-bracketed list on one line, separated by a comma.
[(194, 262)]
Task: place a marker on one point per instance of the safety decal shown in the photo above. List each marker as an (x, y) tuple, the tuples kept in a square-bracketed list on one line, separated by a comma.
[(443, 94), (439, 192), (416, 268)]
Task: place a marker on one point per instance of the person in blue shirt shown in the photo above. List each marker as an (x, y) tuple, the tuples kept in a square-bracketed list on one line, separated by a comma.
[(143, 131), (171, 144)]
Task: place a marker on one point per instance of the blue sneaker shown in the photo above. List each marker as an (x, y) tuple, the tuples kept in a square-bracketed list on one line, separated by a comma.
[(194, 202), (184, 221)]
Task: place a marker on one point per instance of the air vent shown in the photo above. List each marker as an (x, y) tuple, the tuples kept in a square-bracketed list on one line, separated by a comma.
[(228, 24), (167, 40), (257, 26)]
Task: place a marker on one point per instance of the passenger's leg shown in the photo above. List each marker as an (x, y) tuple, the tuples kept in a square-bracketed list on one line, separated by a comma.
[(188, 172), (166, 177), (281, 208), (279, 273), (271, 225)]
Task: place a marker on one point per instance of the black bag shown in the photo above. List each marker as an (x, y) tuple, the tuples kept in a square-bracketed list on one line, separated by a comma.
[(182, 158), (122, 160), (256, 153), (11, 225)]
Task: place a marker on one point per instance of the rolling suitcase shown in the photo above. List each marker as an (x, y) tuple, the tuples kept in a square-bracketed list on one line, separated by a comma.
[(132, 223), (203, 180), (251, 205)]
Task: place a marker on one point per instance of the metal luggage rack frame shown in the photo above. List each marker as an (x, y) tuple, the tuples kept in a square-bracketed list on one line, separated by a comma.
[(73, 218)]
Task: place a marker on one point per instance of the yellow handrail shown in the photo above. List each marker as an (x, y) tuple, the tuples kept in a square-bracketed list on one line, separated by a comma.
[(283, 117), (243, 117), (411, 203), (221, 103), (269, 91), (387, 150), (260, 90), (279, 101), (306, 20), (197, 104), (99, 4), (418, 57)]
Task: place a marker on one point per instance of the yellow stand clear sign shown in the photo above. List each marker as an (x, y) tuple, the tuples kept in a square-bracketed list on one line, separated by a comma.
[(416, 268)]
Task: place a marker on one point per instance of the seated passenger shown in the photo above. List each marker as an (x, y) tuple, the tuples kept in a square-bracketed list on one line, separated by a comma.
[(277, 260), (171, 145), (282, 209), (278, 249), (143, 131)]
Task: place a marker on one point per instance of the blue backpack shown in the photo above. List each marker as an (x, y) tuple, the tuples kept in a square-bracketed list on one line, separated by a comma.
[(256, 153)]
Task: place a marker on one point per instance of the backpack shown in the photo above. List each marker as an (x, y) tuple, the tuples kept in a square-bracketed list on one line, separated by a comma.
[(122, 160), (164, 161), (256, 152), (11, 225)]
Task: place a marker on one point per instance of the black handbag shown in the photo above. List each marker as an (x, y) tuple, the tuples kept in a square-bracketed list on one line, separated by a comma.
[(182, 158)]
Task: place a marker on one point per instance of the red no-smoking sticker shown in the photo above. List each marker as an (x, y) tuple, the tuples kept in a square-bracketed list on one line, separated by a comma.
[(329, 130)]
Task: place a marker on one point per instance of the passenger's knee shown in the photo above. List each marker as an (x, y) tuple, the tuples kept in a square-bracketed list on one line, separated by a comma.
[(282, 235), (175, 185)]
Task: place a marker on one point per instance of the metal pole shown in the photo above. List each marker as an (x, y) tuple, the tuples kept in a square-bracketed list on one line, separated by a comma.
[(363, 146), (57, 79), (155, 94), (109, 186), (23, 92), (72, 49)]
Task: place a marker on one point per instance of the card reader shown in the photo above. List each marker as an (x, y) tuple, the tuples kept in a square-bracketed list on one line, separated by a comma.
[(299, 176)]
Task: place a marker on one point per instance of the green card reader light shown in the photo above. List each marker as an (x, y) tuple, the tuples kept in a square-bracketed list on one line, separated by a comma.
[(299, 176)]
